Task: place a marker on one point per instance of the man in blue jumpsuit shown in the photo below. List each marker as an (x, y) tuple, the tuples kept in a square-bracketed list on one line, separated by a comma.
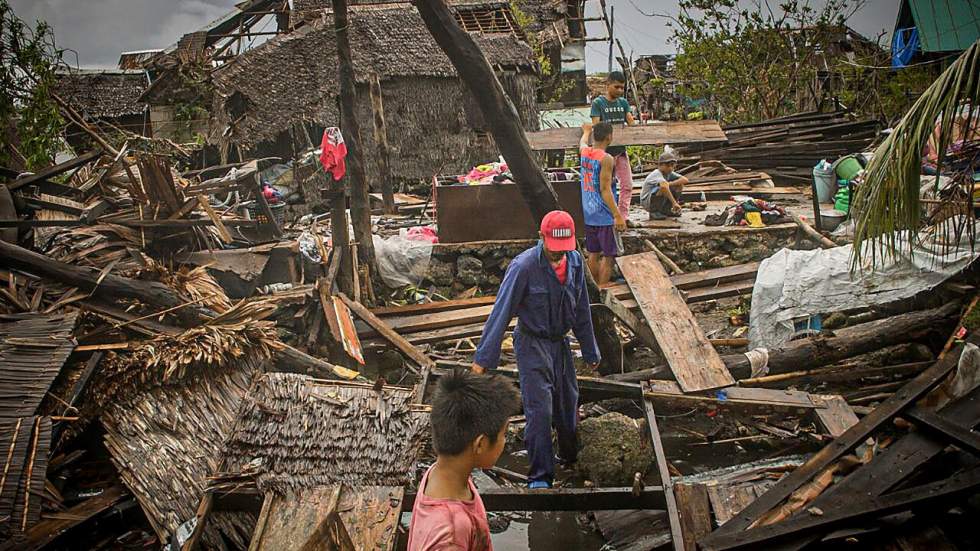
[(545, 288)]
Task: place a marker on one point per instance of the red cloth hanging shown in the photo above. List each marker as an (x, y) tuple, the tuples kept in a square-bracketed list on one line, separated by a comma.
[(332, 153)]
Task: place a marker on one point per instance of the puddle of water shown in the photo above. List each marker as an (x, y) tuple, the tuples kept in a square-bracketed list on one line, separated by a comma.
[(547, 531)]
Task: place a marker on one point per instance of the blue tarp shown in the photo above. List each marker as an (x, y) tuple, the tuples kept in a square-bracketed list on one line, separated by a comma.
[(905, 44)]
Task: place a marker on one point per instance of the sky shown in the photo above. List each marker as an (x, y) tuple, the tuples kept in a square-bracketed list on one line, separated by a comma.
[(99, 30)]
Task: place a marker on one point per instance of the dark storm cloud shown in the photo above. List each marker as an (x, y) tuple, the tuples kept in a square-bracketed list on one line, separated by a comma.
[(100, 29)]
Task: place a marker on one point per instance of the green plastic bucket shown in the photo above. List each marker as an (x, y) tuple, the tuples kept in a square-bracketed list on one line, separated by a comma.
[(847, 167)]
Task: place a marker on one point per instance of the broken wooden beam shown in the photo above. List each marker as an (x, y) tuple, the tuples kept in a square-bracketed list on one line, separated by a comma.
[(692, 359), (399, 342), (835, 450), (811, 233), (54, 170), (669, 392), (932, 494), (663, 470)]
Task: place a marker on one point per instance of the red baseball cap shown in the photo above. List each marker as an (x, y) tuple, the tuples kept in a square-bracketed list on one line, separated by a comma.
[(558, 230)]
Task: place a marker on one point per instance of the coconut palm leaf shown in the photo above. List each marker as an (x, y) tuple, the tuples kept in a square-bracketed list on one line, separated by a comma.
[(888, 201)]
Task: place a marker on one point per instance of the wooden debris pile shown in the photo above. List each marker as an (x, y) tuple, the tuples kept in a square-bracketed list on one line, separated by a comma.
[(788, 147)]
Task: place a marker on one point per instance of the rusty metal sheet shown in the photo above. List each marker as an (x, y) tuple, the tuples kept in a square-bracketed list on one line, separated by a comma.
[(496, 212)]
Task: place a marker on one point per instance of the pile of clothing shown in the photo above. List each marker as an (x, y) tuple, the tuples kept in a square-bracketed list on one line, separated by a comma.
[(489, 173), (748, 211)]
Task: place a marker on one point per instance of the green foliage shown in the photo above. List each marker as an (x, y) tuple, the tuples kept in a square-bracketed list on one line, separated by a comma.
[(643, 154), (28, 60), (751, 63), (870, 87)]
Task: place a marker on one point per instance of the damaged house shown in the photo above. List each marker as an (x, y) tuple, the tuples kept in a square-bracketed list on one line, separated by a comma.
[(433, 123), (109, 96)]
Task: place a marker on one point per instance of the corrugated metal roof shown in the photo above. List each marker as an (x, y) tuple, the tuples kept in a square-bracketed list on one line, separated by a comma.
[(944, 26)]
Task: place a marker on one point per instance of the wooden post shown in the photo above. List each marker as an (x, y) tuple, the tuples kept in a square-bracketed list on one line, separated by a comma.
[(497, 109), (381, 138), (340, 235), (359, 197)]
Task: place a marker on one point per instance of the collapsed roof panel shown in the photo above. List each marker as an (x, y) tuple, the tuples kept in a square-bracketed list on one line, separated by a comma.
[(109, 93)]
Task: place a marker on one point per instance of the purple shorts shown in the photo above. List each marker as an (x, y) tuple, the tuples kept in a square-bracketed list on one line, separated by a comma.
[(600, 239)]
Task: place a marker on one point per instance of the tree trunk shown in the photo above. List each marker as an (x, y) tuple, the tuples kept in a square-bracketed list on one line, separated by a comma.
[(359, 194), (381, 139), (827, 349), (498, 111)]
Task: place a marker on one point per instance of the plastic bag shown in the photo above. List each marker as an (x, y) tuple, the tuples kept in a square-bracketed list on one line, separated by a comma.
[(401, 260)]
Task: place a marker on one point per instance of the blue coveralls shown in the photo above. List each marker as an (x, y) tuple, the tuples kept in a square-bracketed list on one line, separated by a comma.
[(545, 310)]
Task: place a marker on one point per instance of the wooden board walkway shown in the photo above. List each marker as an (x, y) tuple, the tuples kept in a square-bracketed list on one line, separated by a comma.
[(692, 359)]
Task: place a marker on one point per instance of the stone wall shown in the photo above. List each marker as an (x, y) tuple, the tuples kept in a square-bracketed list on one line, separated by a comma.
[(460, 266)]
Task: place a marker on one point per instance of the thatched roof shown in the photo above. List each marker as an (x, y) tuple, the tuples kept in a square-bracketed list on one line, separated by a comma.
[(166, 441), (546, 16), (295, 433), (293, 78), (103, 94)]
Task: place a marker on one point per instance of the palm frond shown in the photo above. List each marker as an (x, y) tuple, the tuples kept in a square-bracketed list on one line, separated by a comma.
[(888, 200)]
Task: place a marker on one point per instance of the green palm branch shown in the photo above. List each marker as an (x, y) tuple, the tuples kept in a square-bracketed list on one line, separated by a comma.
[(888, 201)]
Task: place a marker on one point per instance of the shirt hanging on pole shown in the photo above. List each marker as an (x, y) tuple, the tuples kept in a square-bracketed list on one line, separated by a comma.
[(332, 153)]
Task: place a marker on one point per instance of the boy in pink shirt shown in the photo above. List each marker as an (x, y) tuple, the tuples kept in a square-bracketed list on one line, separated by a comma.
[(469, 428)]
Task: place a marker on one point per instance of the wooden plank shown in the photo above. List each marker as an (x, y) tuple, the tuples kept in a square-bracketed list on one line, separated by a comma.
[(692, 359), (676, 532), (437, 320), (370, 515), (432, 307), (349, 338), (706, 278), (871, 507), (659, 133), (837, 417), (223, 232), (54, 170), (442, 335), (840, 446), (962, 436), (670, 392), (704, 294), (399, 342), (896, 463), (694, 510), (50, 528), (289, 523), (505, 498), (728, 499)]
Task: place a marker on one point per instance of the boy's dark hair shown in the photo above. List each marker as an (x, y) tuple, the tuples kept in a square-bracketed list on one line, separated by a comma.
[(467, 405), (616, 76), (602, 131)]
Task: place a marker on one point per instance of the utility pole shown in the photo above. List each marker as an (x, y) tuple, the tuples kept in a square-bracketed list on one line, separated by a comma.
[(612, 21), (359, 199)]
